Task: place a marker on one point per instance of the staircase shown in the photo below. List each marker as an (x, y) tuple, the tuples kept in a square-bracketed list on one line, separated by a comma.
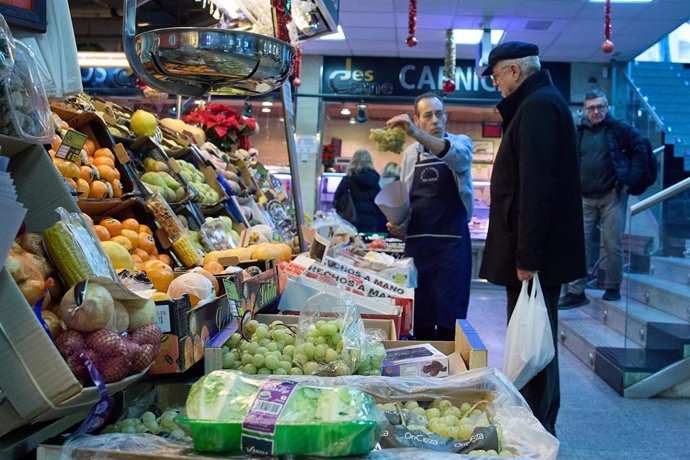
[(666, 86), (639, 345)]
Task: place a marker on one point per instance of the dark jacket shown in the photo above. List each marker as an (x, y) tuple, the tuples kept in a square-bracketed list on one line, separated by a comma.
[(535, 219), (627, 147), (364, 187)]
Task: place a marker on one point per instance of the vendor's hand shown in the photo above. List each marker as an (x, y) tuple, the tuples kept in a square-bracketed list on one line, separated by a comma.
[(525, 275), (396, 231), (402, 121)]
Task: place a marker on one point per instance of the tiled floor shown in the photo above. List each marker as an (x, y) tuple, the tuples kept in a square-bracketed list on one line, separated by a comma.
[(594, 422)]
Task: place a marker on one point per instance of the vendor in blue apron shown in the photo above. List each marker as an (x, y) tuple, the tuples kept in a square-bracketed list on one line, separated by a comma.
[(437, 170)]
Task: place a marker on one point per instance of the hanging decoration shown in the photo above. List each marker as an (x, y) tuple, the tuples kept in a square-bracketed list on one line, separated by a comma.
[(282, 8), (607, 46), (412, 24), (449, 63), (297, 66)]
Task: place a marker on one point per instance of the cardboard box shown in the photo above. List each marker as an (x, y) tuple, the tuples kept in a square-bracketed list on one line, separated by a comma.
[(186, 331), (39, 386), (254, 293), (418, 360), (213, 355), (466, 352)]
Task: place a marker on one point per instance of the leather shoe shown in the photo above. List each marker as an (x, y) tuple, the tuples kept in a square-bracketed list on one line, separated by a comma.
[(612, 294), (571, 300)]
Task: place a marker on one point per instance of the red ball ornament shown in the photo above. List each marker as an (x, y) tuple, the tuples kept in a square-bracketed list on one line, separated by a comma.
[(296, 82), (411, 41), (607, 46), (448, 86)]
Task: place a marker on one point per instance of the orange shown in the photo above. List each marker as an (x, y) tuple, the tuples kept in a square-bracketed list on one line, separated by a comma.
[(160, 274), (55, 142), (70, 182), (161, 296), (101, 232), (137, 261), (107, 173), (145, 229), (208, 275), (83, 188), (143, 255), (131, 224), (87, 173), (51, 152), (103, 161), (122, 241), (132, 236), (99, 190), (214, 267), (117, 188), (67, 168), (146, 242), (166, 259), (104, 152), (89, 146), (113, 225)]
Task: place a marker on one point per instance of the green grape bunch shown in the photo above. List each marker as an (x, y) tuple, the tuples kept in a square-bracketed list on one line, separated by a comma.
[(388, 140)]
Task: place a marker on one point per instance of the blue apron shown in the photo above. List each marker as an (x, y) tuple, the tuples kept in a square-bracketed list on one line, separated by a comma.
[(439, 241)]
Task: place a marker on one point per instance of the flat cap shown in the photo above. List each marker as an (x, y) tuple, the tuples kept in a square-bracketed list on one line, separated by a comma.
[(509, 50)]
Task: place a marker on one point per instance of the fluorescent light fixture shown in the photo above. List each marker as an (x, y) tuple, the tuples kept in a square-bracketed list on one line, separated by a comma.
[(267, 104), (622, 1), (345, 111), (339, 35), (474, 36), (266, 110), (102, 59)]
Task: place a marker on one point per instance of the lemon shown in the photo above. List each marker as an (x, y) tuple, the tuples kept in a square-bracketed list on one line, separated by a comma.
[(143, 123), (118, 255)]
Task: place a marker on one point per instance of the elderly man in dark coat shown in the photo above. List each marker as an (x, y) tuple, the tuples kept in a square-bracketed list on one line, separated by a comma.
[(535, 221)]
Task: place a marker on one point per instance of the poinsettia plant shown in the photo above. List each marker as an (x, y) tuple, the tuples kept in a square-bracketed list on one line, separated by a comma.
[(223, 125)]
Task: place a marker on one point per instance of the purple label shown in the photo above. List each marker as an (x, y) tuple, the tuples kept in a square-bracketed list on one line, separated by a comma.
[(101, 410), (267, 406)]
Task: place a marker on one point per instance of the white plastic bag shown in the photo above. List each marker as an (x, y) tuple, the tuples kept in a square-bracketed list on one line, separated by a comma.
[(529, 342)]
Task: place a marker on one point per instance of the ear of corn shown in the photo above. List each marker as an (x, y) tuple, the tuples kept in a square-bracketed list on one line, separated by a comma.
[(185, 251)]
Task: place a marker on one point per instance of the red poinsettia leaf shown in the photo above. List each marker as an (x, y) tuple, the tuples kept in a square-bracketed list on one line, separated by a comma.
[(221, 131)]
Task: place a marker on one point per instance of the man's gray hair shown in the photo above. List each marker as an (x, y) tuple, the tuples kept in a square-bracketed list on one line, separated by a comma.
[(528, 64)]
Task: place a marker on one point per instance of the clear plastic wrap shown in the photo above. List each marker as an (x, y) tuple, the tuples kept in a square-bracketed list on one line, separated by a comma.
[(75, 250), (6, 49), (229, 410), (330, 223), (23, 100), (216, 236)]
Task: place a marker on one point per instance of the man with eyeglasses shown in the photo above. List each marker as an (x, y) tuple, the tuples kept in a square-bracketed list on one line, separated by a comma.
[(437, 170), (535, 219), (603, 139)]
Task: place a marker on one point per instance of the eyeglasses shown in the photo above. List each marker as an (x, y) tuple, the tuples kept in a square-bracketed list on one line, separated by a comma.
[(494, 76), (596, 108)]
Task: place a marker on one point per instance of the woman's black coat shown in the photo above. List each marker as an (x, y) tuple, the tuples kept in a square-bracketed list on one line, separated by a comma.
[(364, 188)]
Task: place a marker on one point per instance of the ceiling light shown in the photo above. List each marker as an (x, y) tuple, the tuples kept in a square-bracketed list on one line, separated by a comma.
[(340, 35), (352, 121), (266, 109), (474, 36), (102, 59), (622, 1), (345, 111), (267, 104)]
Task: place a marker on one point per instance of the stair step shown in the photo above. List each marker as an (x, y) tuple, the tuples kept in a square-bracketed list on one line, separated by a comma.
[(667, 296), (671, 268), (670, 337), (656, 66), (582, 334), (622, 367), (650, 90), (627, 316)]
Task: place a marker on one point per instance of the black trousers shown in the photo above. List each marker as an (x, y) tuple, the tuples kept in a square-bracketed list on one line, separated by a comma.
[(543, 392)]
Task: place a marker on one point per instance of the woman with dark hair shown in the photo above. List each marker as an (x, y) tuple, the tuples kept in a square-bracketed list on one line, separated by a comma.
[(362, 181)]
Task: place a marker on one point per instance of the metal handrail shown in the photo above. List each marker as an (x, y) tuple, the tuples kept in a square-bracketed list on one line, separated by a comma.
[(660, 196), (645, 103)]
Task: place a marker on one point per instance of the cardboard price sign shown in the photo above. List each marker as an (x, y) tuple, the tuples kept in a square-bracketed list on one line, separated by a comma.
[(72, 143)]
